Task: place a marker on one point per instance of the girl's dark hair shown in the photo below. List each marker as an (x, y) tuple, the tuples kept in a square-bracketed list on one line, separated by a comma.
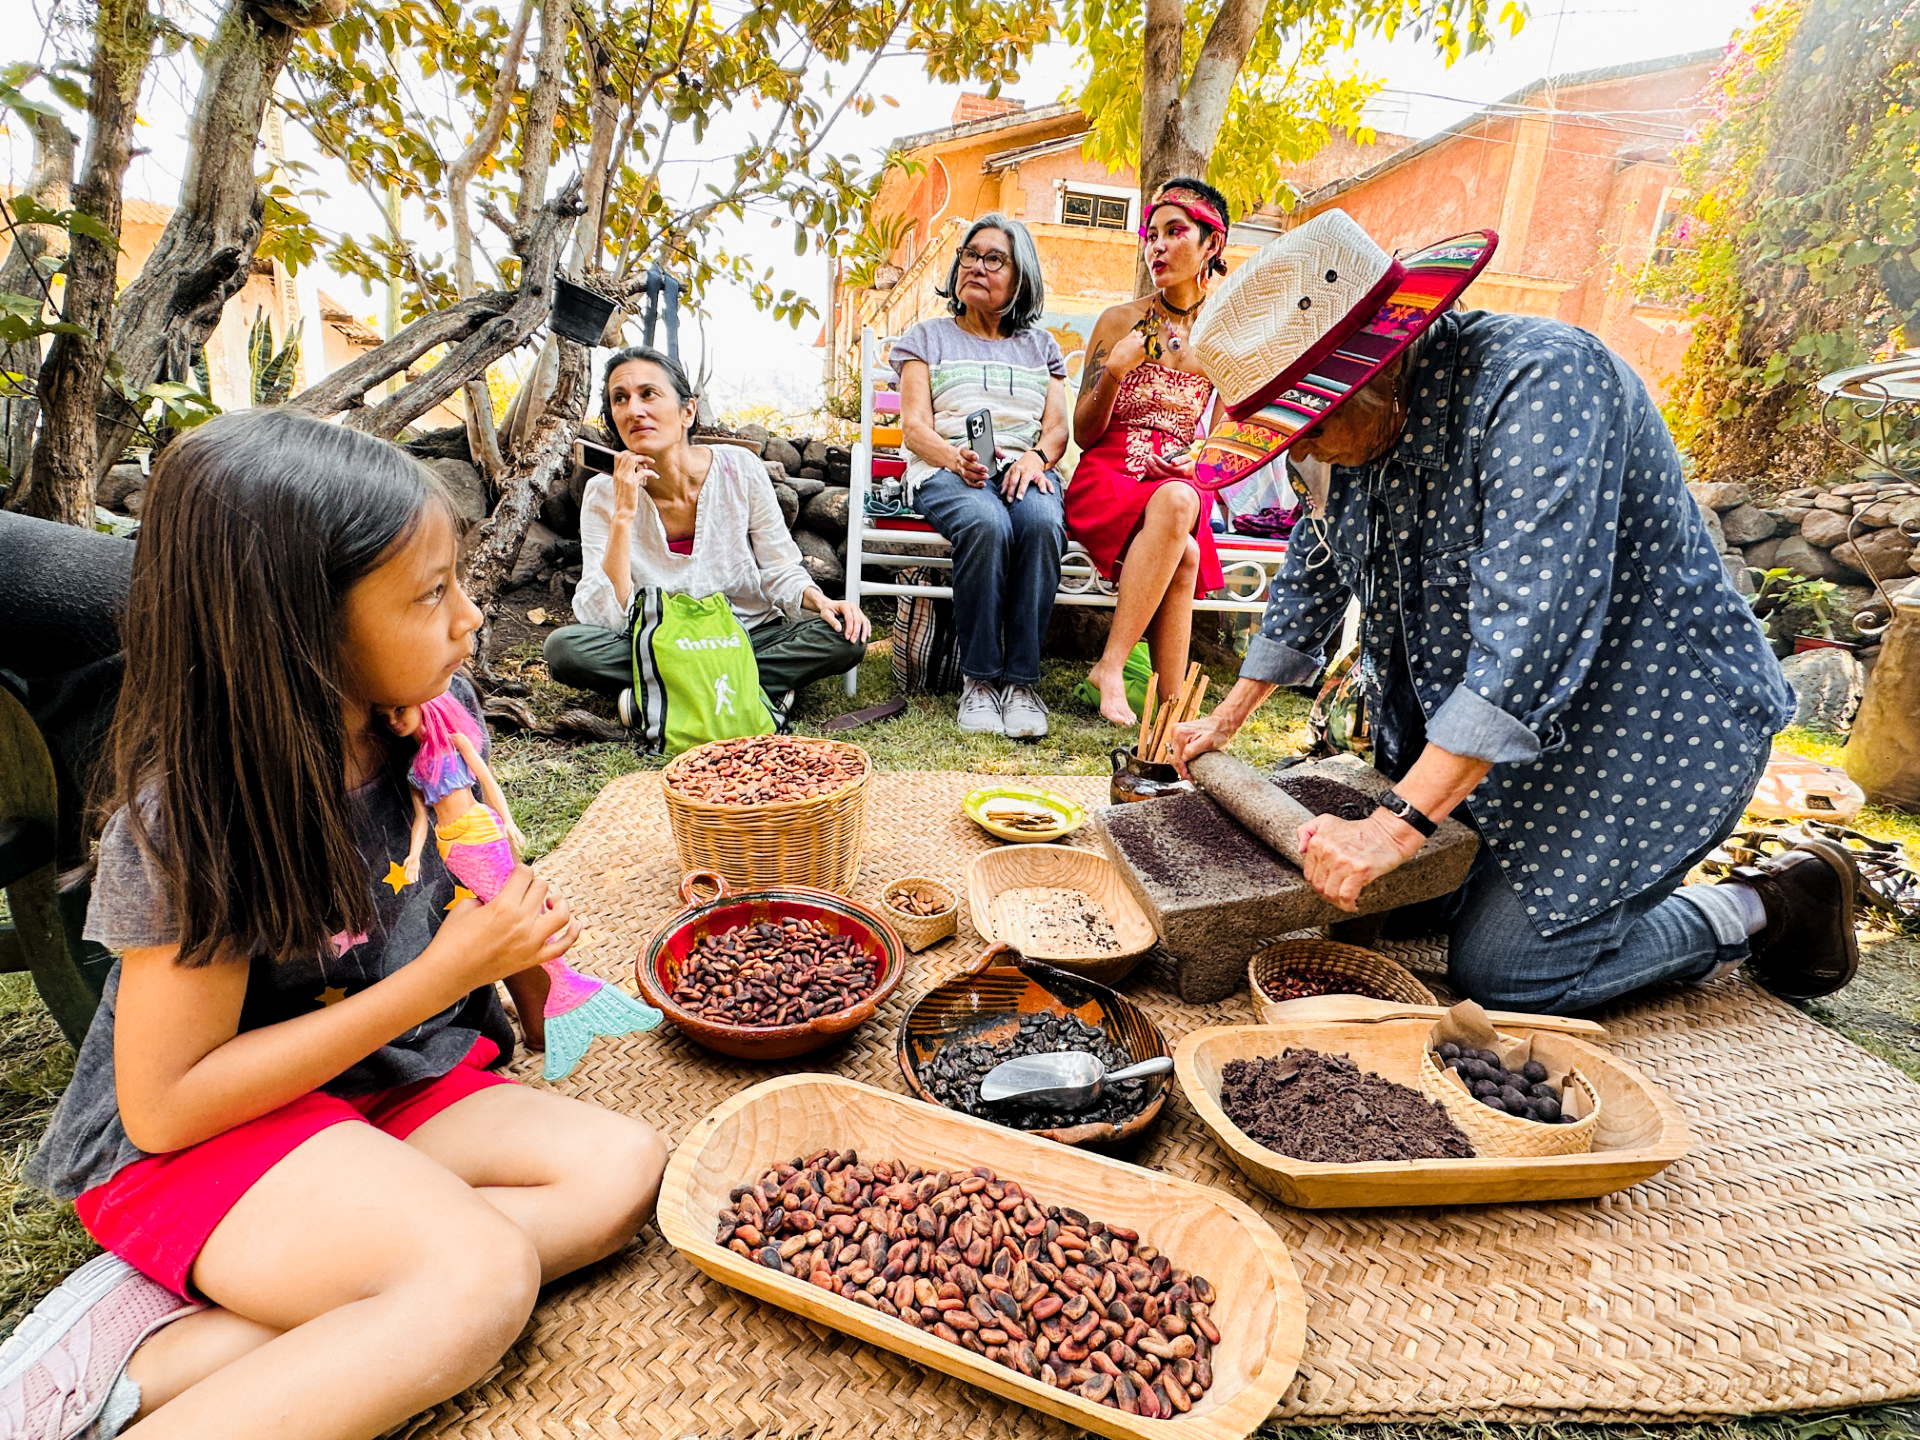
[(676, 377), (1214, 198), (229, 750), (1029, 296)]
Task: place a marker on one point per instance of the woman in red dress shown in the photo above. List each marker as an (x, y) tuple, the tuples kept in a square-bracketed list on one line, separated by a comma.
[(1132, 503)]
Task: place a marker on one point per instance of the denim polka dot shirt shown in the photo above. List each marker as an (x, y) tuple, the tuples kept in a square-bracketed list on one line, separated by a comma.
[(1529, 559)]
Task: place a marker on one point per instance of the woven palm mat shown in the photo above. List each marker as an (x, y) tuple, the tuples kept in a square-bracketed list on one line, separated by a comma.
[(1774, 1268)]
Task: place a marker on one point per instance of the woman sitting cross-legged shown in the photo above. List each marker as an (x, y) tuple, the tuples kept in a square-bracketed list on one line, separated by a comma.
[(1132, 504), (697, 520), (1001, 511)]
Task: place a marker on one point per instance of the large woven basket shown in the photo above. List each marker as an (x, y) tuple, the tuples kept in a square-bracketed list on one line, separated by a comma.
[(814, 842), (1359, 971), (1496, 1133)]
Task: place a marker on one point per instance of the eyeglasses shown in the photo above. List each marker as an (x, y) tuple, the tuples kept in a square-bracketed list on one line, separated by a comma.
[(991, 261)]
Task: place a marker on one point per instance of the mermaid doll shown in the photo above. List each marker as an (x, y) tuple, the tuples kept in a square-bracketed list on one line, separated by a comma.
[(480, 843)]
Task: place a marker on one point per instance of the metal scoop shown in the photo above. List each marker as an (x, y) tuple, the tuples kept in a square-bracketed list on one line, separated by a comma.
[(1061, 1080)]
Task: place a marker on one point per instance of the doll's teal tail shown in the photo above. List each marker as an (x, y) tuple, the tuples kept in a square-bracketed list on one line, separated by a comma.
[(580, 1010)]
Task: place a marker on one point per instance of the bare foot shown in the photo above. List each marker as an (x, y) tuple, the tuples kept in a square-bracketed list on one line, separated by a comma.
[(1111, 682)]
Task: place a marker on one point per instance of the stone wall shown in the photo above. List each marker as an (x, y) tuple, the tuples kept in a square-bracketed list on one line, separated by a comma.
[(1852, 535)]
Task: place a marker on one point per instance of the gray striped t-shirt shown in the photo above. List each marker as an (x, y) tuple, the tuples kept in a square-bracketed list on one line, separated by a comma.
[(1008, 376)]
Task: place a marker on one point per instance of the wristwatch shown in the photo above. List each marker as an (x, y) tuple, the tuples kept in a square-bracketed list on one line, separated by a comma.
[(1394, 803)]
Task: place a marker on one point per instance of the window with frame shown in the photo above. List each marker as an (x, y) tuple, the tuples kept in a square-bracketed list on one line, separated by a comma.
[(1095, 212), (1667, 240)]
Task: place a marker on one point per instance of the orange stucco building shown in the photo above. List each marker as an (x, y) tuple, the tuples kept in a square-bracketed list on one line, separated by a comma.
[(1027, 163), (1576, 172)]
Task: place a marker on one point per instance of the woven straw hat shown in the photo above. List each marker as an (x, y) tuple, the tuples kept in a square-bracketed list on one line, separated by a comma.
[(1305, 323)]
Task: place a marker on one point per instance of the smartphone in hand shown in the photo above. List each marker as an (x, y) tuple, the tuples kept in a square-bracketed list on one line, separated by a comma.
[(597, 458), (980, 441)]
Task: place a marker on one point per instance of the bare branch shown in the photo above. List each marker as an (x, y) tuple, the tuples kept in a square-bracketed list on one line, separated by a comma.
[(486, 340), (543, 105), (443, 327), (467, 163)]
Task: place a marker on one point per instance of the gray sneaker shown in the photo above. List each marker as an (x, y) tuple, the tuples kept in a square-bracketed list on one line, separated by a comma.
[(980, 710), (1023, 713)]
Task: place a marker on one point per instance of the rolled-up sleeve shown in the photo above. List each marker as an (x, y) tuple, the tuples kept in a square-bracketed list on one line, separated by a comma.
[(594, 601), (1303, 607), (1550, 478)]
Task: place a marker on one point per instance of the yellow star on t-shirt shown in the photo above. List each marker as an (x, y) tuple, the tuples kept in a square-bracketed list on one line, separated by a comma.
[(397, 876), (332, 995), (460, 892)]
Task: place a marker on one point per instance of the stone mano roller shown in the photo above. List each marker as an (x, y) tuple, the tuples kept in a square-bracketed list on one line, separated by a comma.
[(1218, 870)]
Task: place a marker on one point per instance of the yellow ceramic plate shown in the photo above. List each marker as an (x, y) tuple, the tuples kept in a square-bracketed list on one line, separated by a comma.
[(984, 804)]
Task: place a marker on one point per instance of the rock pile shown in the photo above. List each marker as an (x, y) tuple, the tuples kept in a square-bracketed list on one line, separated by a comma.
[(1851, 535)]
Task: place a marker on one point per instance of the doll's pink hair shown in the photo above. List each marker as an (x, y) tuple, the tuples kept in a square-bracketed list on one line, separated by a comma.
[(441, 718)]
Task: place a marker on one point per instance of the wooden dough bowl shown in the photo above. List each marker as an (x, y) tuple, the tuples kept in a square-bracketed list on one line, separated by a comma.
[(1261, 1310), (1640, 1131)]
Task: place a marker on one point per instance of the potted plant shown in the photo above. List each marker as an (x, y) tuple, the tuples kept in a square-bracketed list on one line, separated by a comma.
[(1782, 594), (580, 309)]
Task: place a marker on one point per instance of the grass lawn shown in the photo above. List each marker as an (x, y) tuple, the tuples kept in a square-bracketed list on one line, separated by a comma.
[(552, 782)]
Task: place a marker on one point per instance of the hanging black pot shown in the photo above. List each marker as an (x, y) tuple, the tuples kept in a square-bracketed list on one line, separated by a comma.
[(579, 313)]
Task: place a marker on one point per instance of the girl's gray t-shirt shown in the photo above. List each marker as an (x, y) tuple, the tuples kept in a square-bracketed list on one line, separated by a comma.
[(1008, 377), (86, 1145)]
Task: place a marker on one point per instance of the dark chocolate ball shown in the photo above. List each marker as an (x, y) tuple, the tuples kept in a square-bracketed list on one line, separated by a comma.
[(1491, 1057), (1449, 1051), (1534, 1071), (1485, 1089), (1513, 1095), (1546, 1108), (1543, 1090)]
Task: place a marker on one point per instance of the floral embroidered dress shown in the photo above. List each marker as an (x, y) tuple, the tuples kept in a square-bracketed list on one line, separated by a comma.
[(1157, 410)]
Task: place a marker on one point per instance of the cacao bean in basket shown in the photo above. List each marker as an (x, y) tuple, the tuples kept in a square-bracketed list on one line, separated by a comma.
[(763, 769), (978, 1262)]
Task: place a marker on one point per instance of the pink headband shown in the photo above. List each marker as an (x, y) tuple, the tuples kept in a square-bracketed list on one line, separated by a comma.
[(1195, 206)]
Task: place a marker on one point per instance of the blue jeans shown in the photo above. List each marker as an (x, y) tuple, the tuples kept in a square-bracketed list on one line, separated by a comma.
[(1006, 571), (1496, 956)]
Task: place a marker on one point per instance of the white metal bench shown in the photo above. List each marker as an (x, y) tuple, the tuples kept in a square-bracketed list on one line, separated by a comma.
[(1248, 563)]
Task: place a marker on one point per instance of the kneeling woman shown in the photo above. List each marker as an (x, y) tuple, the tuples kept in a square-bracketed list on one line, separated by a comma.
[(696, 520)]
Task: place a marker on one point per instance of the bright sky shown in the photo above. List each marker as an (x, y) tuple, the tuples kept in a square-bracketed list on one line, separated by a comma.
[(755, 359)]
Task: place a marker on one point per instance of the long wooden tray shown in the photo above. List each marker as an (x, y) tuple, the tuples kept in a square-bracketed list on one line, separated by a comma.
[(1640, 1131), (1261, 1311)]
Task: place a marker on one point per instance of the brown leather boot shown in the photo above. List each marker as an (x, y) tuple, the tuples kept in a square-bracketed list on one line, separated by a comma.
[(1808, 948)]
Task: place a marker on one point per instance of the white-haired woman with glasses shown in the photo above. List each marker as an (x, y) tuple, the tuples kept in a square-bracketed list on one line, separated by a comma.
[(1002, 512)]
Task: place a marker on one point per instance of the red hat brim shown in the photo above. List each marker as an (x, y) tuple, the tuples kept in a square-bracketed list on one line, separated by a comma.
[(1248, 435)]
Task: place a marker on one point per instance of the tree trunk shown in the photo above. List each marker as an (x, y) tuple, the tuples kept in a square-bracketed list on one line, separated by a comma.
[(1179, 123), (206, 252), (26, 271), (60, 483), (549, 452)]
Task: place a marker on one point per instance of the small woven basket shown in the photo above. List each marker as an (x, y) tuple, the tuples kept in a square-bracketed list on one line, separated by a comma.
[(1496, 1133), (1360, 972), (813, 842), (917, 932)]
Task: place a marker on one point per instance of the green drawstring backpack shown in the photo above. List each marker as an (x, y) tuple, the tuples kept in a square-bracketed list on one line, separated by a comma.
[(694, 675)]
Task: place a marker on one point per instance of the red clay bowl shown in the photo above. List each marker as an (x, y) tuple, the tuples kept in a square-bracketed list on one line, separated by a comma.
[(657, 968)]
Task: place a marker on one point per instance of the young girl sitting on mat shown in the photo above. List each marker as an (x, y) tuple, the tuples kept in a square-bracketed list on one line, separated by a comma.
[(324, 1211)]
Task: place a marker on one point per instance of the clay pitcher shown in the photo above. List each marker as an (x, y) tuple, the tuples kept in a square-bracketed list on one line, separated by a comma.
[(1137, 779)]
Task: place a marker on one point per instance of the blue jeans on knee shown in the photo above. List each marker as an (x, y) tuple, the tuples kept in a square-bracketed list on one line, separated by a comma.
[(1496, 956), (1006, 571)]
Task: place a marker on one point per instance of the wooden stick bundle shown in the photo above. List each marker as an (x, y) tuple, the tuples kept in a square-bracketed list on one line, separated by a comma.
[(1156, 730)]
